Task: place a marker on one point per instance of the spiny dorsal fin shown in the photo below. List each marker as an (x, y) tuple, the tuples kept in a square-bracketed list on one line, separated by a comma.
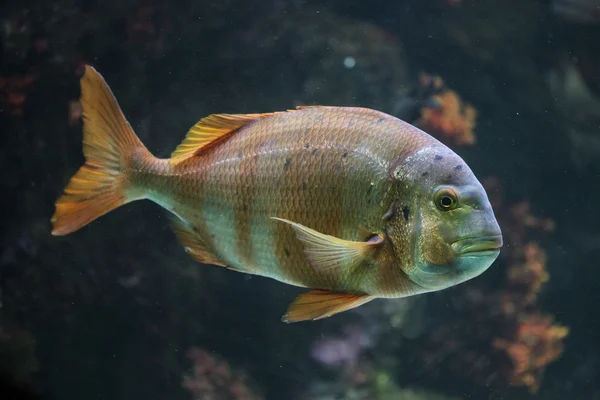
[(318, 304), (307, 107), (209, 129), (218, 126)]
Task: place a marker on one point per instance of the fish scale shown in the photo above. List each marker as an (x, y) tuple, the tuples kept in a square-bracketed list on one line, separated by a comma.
[(341, 200), (344, 158), (283, 167)]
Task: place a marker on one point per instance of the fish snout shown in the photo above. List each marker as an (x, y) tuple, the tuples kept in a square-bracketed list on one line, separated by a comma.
[(478, 244), (482, 235)]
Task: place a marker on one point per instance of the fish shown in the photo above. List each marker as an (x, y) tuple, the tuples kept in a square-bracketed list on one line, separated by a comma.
[(348, 202)]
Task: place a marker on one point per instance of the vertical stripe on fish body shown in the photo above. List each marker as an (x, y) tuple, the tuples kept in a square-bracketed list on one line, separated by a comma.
[(350, 202), (326, 168)]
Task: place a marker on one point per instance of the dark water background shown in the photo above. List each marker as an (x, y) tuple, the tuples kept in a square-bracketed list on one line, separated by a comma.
[(112, 311)]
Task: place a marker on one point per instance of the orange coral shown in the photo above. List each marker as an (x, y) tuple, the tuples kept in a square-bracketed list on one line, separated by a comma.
[(522, 210), (532, 341), (526, 272), (535, 341), (452, 120), (536, 344), (13, 92), (531, 274)]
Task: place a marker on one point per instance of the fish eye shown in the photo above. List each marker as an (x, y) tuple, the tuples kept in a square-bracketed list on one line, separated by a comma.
[(446, 199)]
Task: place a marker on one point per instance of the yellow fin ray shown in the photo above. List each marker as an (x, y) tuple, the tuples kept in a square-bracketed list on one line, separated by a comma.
[(308, 106), (318, 304), (326, 252), (109, 144), (210, 129)]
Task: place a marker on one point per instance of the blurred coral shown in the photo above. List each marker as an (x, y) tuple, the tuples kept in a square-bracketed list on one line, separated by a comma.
[(532, 340), (343, 349), (148, 26), (213, 379), (452, 121), (526, 272), (13, 92), (31, 46), (530, 275), (376, 385), (536, 344)]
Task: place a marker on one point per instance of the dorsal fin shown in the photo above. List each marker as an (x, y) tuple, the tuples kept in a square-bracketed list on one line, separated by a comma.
[(211, 129), (309, 106)]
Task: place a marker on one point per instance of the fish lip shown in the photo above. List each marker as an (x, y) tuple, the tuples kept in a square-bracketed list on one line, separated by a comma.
[(479, 245)]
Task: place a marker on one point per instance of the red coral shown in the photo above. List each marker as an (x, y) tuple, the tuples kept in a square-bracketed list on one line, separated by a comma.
[(452, 121), (537, 343), (13, 92)]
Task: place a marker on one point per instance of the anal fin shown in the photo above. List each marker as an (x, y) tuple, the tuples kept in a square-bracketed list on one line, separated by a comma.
[(318, 304), (192, 243)]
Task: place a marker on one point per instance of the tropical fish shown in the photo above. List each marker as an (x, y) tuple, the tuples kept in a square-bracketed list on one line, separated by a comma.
[(350, 202)]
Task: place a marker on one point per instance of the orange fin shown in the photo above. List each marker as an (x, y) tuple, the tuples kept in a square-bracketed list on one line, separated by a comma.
[(193, 244), (327, 252), (108, 145), (210, 130), (318, 304)]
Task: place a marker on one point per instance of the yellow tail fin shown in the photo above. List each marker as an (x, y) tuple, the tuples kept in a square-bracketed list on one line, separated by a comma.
[(109, 144)]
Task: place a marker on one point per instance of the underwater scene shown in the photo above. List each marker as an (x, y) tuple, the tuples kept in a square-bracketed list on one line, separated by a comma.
[(300, 199)]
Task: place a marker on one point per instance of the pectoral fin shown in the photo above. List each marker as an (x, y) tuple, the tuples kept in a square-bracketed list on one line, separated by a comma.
[(327, 252), (318, 304)]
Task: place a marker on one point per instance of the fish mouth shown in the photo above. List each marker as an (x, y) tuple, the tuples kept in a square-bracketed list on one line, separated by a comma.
[(479, 245)]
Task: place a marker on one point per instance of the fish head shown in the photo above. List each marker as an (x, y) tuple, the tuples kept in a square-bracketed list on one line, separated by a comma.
[(446, 233)]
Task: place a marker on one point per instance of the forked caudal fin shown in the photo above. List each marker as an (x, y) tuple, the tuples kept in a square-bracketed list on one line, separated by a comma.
[(109, 145)]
